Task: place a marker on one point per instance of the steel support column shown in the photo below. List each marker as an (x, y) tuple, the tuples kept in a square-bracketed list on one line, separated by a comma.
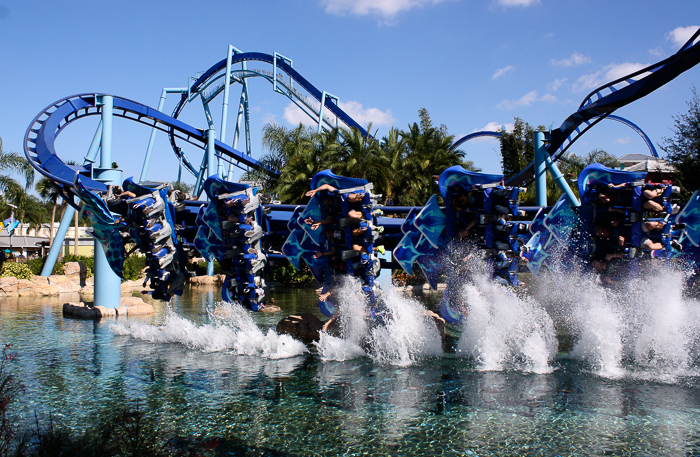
[(211, 166), (107, 283), (540, 169)]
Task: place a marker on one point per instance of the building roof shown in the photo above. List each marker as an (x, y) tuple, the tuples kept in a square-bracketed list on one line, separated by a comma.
[(627, 158), (21, 241), (656, 165)]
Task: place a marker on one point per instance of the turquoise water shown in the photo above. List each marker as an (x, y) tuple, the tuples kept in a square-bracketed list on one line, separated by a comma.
[(228, 376)]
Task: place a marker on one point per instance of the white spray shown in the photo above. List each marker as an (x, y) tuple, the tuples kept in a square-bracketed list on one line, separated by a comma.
[(232, 329), (405, 335)]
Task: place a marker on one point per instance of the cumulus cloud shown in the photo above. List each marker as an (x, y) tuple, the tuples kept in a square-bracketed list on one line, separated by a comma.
[(607, 74), (527, 100), (573, 60), (502, 71), (383, 8), (523, 3), (556, 84), (680, 35), (295, 116), (363, 116), (623, 140), (491, 127)]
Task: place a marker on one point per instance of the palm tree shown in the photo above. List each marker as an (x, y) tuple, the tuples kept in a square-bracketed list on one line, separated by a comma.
[(50, 194), (362, 157), (394, 150)]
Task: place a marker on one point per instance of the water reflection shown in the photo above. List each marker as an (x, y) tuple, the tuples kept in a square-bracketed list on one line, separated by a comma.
[(304, 405)]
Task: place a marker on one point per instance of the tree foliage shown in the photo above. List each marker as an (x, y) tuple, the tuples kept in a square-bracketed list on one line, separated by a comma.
[(517, 148), (401, 165), (683, 147)]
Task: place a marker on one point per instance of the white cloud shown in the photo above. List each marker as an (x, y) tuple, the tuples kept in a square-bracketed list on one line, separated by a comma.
[(502, 71), (606, 75), (384, 8), (524, 3), (294, 115), (490, 127), (527, 100), (680, 35), (572, 61), (556, 84), (364, 116), (623, 140)]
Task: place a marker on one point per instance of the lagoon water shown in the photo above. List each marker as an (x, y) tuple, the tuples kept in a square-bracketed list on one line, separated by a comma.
[(551, 373)]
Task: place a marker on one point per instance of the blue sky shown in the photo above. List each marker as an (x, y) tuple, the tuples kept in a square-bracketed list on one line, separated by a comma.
[(473, 65)]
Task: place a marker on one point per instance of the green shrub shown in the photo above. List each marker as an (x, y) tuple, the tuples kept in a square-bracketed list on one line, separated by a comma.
[(18, 270), (133, 266), (200, 268), (35, 265), (89, 262), (284, 272)]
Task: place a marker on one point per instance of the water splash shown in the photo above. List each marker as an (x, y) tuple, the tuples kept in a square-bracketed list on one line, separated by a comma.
[(406, 335), (505, 330), (643, 328), (231, 329)]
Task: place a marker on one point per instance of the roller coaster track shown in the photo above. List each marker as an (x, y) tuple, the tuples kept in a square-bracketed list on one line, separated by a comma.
[(206, 87), (40, 138), (612, 117), (604, 100)]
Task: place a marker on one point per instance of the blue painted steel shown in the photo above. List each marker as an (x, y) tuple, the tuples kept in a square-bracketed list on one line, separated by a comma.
[(107, 283), (457, 175), (66, 221), (152, 138), (604, 100), (471, 136), (320, 111), (279, 63), (57, 244), (339, 182), (39, 144), (211, 171), (636, 128), (612, 117), (560, 181), (540, 170)]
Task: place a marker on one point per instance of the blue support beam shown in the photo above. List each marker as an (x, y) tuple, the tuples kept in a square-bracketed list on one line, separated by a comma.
[(211, 167), (107, 283), (540, 169)]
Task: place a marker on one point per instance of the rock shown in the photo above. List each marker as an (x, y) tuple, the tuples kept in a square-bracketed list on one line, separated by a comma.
[(83, 311), (67, 287), (203, 280), (134, 306), (40, 280), (76, 272), (8, 286), (126, 288), (88, 289), (57, 279), (105, 312), (89, 281), (129, 306), (304, 327), (25, 287), (136, 284), (48, 290)]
